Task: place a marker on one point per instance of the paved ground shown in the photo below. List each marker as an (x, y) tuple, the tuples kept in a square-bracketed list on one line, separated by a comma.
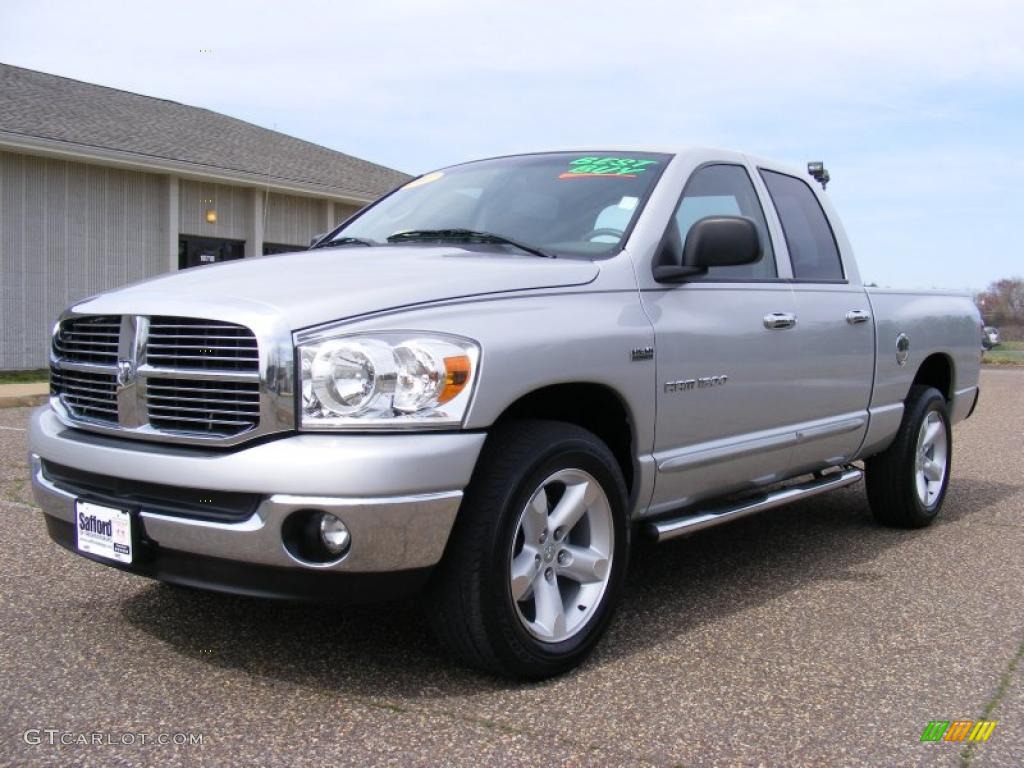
[(806, 636)]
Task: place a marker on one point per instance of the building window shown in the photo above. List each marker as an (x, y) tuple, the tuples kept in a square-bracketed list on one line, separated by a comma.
[(195, 251), (269, 248)]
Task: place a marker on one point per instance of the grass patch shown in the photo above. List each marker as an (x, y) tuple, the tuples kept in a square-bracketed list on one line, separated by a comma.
[(24, 377), (1007, 353)]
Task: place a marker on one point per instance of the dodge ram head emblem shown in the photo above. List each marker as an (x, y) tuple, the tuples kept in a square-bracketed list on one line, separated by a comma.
[(125, 374)]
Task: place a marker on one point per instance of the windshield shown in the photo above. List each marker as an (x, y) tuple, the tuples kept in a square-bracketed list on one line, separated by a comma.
[(566, 203)]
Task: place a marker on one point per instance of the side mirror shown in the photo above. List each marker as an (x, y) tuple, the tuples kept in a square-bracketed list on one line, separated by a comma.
[(316, 239), (714, 241)]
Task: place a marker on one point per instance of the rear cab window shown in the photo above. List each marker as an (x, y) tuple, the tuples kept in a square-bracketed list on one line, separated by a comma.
[(813, 252)]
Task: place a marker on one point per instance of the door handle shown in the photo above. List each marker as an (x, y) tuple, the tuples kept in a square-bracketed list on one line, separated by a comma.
[(857, 316), (777, 321)]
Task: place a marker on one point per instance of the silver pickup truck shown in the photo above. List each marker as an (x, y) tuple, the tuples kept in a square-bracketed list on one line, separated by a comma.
[(479, 388)]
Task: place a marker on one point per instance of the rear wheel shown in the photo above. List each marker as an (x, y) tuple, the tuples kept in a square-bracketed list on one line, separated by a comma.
[(538, 553), (907, 482)]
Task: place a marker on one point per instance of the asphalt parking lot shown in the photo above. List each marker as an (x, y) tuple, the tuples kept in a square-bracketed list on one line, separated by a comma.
[(804, 636)]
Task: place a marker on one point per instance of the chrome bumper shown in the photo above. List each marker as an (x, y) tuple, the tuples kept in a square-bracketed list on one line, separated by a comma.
[(405, 529)]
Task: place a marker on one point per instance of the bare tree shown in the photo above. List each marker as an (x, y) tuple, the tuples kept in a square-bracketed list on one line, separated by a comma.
[(1002, 302)]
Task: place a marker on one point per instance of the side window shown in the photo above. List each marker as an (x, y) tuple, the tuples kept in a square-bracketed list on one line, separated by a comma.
[(812, 246), (725, 190)]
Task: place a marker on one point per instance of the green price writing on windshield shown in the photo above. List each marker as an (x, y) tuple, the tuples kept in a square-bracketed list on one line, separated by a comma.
[(625, 167)]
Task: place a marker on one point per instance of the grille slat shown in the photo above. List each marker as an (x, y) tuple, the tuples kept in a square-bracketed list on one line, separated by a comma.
[(204, 407), (206, 403), (89, 398), (74, 340), (187, 324), (176, 360), (189, 409), (96, 414), (204, 336), (216, 348), (186, 391), (85, 402), (226, 422), (75, 388)]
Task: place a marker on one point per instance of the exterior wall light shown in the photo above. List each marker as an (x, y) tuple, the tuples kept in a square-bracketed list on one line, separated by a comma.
[(211, 216)]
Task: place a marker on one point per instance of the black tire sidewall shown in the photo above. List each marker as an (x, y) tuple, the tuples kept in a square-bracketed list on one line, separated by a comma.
[(930, 401), (499, 611)]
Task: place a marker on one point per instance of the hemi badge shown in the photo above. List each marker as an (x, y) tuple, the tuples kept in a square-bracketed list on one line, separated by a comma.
[(641, 353)]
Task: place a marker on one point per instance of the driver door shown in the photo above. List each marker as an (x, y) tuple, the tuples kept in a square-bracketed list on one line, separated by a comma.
[(725, 398)]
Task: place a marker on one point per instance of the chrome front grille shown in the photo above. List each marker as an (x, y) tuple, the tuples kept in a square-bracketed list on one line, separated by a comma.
[(86, 395), (88, 339), (185, 342), (214, 407), (176, 379)]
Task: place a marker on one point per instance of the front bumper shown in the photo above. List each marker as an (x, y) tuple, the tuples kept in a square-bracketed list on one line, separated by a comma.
[(397, 494), (238, 578)]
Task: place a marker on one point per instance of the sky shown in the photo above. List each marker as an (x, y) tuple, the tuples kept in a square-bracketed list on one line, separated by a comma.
[(916, 107)]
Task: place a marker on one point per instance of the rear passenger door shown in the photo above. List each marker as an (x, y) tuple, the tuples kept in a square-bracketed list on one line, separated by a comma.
[(833, 366)]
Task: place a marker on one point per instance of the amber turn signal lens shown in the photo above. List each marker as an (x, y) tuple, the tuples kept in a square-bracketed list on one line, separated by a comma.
[(457, 371)]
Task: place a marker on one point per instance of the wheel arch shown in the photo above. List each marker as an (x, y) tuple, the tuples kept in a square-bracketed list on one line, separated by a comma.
[(595, 407), (936, 370)]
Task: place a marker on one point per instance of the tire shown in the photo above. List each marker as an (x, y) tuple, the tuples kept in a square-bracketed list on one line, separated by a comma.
[(894, 477), (471, 597)]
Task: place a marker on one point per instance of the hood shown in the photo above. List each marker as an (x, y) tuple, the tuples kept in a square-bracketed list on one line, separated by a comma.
[(311, 287)]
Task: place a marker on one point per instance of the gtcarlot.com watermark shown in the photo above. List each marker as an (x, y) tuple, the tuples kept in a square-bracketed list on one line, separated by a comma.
[(55, 737)]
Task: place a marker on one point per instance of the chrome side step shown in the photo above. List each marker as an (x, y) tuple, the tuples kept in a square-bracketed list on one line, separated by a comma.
[(663, 530)]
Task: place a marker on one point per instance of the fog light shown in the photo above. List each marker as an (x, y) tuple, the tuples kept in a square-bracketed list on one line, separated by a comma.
[(315, 537), (333, 534)]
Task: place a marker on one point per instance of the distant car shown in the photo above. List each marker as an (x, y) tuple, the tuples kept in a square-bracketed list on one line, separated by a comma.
[(989, 337)]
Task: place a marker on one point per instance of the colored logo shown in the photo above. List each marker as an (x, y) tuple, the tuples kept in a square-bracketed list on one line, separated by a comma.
[(620, 167), (958, 730)]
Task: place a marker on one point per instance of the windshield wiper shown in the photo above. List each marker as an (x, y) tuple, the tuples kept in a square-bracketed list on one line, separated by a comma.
[(468, 235), (344, 241)]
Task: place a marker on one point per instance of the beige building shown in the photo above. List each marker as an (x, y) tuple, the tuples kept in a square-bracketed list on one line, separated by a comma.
[(101, 187)]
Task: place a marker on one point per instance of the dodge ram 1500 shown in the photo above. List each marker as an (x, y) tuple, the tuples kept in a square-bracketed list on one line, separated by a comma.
[(480, 387)]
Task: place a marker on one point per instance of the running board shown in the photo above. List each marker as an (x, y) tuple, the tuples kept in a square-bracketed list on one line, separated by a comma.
[(663, 530)]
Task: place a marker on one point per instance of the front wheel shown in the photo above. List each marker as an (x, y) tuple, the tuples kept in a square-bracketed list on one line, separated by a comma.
[(538, 553), (907, 482)]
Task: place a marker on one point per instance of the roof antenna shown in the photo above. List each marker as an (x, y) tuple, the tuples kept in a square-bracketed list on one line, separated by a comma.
[(820, 174)]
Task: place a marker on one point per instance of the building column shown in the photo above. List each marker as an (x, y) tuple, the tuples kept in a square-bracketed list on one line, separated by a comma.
[(329, 216), (254, 243), (173, 222)]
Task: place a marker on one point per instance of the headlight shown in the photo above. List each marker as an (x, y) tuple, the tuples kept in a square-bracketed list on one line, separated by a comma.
[(387, 380)]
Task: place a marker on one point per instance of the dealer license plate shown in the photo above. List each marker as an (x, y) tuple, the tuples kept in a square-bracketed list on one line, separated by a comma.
[(103, 531)]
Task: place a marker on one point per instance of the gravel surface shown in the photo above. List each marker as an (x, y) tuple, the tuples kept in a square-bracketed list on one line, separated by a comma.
[(804, 636)]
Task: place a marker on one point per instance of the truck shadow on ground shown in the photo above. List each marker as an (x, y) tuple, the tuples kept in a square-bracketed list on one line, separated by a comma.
[(387, 651)]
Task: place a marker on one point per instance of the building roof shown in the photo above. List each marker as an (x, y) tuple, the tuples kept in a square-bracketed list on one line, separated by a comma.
[(72, 117)]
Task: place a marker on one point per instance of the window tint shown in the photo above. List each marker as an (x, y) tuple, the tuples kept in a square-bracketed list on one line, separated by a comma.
[(812, 246), (724, 190)]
